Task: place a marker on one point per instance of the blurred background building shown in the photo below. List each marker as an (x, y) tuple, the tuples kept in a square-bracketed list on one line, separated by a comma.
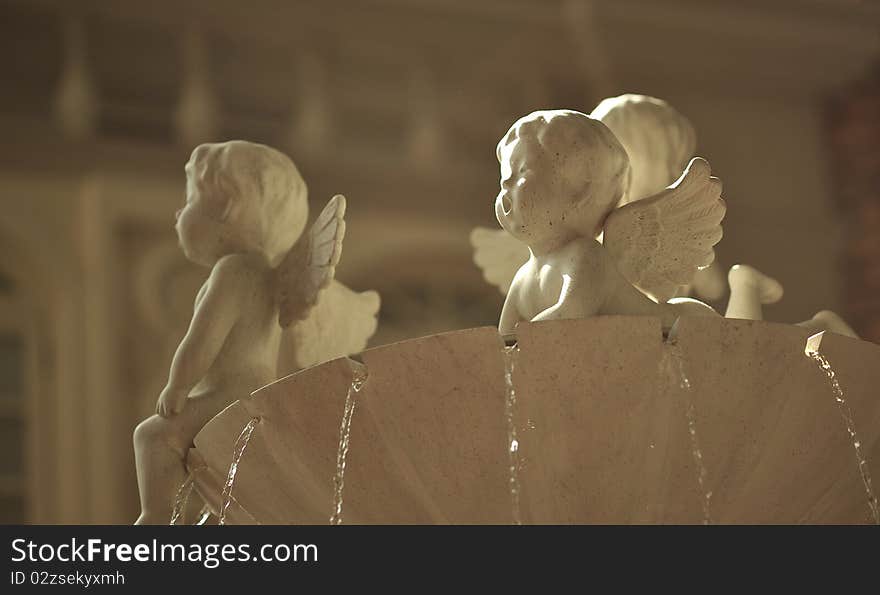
[(398, 104)]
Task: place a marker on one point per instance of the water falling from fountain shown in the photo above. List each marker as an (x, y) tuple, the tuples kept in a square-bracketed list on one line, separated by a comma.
[(358, 379), (697, 453), (181, 499), (678, 374), (204, 515), (812, 351), (512, 441), (237, 453)]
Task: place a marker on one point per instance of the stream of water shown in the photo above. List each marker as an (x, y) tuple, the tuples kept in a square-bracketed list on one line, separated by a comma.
[(510, 354), (678, 375), (237, 452), (204, 515), (357, 383), (181, 499), (812, 351)]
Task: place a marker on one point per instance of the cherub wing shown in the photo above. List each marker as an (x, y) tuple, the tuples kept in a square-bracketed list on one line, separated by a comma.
[(310, 265), (661, 241), (340, 324), (499, 255)]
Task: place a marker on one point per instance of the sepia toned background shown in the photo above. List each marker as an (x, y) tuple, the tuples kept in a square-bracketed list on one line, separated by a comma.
[(397, 104)]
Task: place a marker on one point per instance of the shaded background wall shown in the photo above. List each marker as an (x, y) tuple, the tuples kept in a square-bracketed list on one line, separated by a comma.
[(397, 104)]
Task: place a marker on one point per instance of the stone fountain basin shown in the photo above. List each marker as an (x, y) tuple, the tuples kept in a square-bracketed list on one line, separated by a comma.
[(602, 423)]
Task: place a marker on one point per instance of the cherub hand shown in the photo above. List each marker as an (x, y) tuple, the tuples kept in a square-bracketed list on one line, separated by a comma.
[(171, 401)]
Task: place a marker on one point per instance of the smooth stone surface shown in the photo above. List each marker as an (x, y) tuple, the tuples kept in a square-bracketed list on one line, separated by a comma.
[(404, 465), (602, 424)]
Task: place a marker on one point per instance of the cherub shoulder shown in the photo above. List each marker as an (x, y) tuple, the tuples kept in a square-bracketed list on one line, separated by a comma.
[(234, 273)]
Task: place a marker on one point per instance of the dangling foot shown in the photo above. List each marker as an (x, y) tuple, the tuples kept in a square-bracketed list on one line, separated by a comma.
[(826, 320), (742, 275)]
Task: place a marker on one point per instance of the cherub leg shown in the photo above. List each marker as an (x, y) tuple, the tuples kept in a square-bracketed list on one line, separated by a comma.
[(160, 468), (826, 320), (750, 289), (160, 448)]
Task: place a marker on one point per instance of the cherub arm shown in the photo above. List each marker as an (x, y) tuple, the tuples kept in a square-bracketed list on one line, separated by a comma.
[(565, 307), (215, 314), (577, 299)]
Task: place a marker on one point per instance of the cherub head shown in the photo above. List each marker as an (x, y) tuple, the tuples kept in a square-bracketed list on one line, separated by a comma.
[(562, 172), (657, 138), (240, 197)]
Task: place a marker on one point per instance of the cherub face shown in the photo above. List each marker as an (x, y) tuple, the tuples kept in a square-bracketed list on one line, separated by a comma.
[(530, 202), (241, 197), (561, 174), (200, 227)]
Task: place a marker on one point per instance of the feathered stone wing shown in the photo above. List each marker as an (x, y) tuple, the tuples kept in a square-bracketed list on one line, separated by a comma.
[(660, 242)]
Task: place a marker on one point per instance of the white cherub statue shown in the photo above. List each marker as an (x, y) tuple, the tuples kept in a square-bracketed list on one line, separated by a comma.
[(659, 142), (563, 174), (245, 213)]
